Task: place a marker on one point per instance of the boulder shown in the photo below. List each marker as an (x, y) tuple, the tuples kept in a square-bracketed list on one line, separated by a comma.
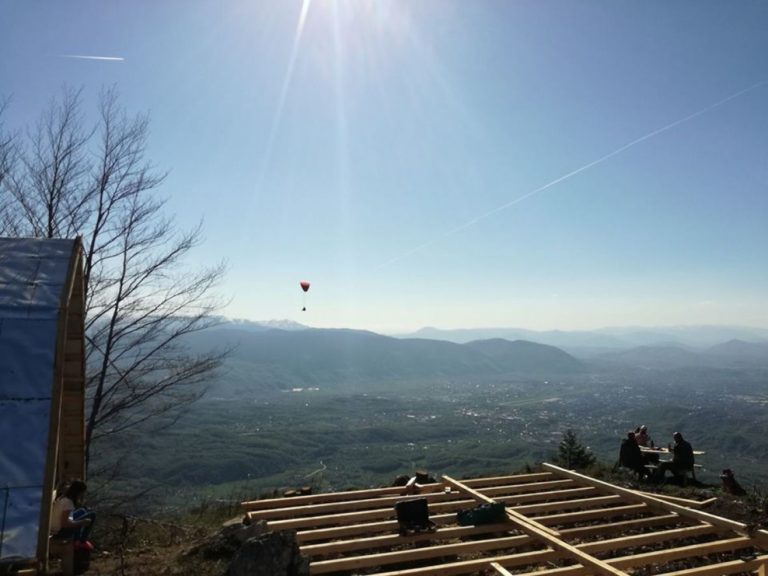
[(270, 554), (227, 541)]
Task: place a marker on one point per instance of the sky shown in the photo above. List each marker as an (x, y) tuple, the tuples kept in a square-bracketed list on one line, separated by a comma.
[(447, 163)]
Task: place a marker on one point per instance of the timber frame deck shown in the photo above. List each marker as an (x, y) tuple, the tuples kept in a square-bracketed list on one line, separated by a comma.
[(559, 523)]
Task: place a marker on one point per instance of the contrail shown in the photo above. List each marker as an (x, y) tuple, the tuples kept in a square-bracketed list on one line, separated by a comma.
[(102, 58), (572, 173)]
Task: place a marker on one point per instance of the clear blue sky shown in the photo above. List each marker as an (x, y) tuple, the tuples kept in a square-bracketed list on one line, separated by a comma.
[(370, 146)]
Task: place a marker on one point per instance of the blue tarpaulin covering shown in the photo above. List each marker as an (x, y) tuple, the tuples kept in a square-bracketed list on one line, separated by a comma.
[(33, 277)]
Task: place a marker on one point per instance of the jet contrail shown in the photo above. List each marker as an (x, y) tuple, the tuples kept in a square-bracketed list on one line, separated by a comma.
[(572, 173), (102, 58)]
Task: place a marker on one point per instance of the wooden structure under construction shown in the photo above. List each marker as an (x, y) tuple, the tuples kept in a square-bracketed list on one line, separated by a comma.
[(42, 401), (558, 522)]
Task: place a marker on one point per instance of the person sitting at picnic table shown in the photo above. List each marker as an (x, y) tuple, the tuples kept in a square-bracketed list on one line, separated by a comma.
[(682, 458), (642, 437), (630, 455)]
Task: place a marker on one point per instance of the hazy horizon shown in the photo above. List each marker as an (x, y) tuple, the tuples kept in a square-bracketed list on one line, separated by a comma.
[(409, 330), (553, 165)]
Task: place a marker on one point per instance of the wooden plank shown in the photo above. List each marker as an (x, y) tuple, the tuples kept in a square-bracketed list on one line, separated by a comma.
[(538, 531), (355, 517), (617, 527), (512, 479), (618, 543), (760, 536), (732, 567), (500, 569), (416, 554), (476, 564), (544, 496), (513, 515), (334, 497), (335, 532), (349, 505), (660, 556), (381, 541), (695, 550), (582, 515), (486, 545), (682, 501), (579, 504), (509, 489)]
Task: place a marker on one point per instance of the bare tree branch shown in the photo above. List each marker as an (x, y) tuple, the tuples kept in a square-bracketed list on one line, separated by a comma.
[(142, 300)]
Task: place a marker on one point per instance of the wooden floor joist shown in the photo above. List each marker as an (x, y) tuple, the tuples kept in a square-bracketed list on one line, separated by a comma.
[(559, 523)]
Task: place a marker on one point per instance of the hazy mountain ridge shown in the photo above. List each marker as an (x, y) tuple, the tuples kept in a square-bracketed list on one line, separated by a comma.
[(278, 359), (731, 354), (281, 359), (590, 342)]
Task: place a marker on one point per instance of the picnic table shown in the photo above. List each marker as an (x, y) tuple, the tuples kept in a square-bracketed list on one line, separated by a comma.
[(660, 451), (665, 451)]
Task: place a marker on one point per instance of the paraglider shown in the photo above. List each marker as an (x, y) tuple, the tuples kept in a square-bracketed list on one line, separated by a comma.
[(305, 287)]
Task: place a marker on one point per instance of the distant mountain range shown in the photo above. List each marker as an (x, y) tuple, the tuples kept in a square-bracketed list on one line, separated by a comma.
[(283, 359), (280, 355), (589, 343), (734, 354)]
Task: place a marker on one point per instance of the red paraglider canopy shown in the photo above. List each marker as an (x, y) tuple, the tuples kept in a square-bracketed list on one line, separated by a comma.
[(304, 285)]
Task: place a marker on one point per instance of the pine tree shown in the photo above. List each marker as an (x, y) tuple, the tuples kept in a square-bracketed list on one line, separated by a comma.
[(572, 454)]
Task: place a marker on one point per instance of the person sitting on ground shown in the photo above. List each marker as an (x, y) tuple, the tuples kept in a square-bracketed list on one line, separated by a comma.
[(69, 518), (630, 455), (682, 458)]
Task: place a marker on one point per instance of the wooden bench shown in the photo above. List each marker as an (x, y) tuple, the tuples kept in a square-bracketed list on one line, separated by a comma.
[(692, 471)]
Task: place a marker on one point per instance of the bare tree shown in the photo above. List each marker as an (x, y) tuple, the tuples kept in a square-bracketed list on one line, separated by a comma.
[(8, 158), (141, 297)]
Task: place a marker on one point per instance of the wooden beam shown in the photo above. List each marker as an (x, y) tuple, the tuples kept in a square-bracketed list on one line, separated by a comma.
[(335, 532), (557, 495), (444, 533), (512, 479), (660, 556), (695, 550), (732, 567), (582, 515), (509, 489), (348, 505), (354, 517), (645, 539), (333, 497), (513, 515), (381, 541), (476, 564), (682, 501), (536, 530), (759, 536), (500, 569), (416, 554), (579, 504), (617, 527)]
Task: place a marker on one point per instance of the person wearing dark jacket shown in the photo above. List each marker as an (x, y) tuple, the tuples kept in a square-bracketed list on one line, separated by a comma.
[(630, 455), (682, 458)]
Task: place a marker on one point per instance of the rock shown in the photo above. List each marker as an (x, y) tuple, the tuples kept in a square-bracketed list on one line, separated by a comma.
[(271, 554), (227, 541)]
